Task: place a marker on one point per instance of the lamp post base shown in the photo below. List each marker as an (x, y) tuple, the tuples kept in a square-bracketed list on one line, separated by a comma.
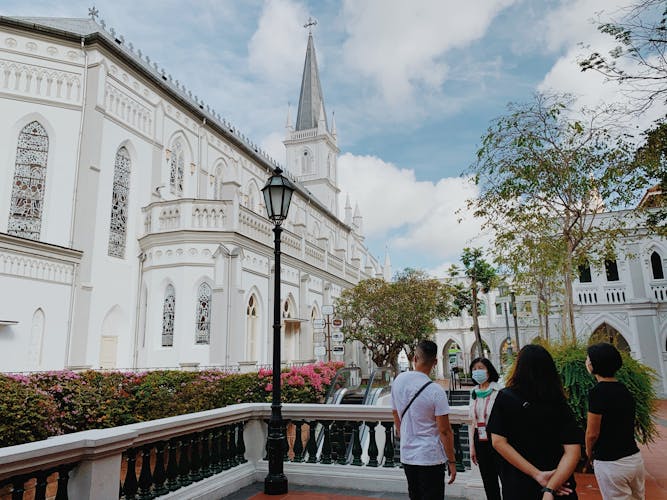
[(275, 484)]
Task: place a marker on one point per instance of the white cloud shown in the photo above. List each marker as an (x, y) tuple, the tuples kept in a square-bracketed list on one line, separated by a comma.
[(419, 216), (276, 49), (572, 28), (273, 145), (400, 45)]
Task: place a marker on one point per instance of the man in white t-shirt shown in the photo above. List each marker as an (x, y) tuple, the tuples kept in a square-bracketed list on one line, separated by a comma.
[(421, 418)]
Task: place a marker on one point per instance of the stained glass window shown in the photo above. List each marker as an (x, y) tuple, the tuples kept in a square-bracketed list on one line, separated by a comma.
[(25, 215), (251, 329), (119, 199), (203, 335), (176, 167), (168, 317)]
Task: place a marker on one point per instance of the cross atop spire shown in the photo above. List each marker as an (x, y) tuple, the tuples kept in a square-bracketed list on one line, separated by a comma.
[(93, 13), (309, 24)]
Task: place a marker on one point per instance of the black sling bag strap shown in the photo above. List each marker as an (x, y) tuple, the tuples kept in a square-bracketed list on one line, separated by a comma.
[(415, 397)]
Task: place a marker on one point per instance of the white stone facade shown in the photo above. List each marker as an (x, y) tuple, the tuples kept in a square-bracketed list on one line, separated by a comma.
[(632, 304), (185, 186)]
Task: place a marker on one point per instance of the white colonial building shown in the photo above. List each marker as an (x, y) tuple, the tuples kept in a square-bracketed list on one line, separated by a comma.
[(624, 300), (134, 232)]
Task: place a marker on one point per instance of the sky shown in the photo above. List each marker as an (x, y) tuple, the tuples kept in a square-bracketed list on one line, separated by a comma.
[(413, 85)]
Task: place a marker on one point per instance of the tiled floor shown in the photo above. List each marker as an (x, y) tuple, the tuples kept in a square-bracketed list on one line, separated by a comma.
[(296, 492)]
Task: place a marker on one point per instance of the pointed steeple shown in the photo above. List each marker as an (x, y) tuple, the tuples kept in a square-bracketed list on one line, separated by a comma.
[(348, 211), (288, 123), (311, 100), (357, 219), (386, 269), (333, 124)]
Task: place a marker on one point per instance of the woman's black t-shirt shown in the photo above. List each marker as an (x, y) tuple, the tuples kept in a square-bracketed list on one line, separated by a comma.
[(537, 431), (614, 402)]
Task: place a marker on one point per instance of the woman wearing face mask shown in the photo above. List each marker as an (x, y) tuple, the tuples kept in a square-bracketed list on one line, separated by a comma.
[(610, 427), (483, 396)]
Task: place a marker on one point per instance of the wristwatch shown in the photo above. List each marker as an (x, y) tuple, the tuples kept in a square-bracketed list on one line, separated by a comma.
[(546, 489)]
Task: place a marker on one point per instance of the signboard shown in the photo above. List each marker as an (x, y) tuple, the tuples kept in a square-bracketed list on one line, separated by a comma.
[(338, 349), (318, 323), (320, 351), (318, 337), (337, 337), (327, 310), (337, 322)]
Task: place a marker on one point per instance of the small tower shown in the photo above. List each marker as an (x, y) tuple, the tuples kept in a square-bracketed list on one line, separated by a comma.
[(348, 211), (386, 269), (357, 220), (312, 151)]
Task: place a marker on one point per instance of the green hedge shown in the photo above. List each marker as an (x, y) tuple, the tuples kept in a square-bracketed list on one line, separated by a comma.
[(34, 407)]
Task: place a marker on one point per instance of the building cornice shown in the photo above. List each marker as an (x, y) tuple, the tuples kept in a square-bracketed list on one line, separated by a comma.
[(39, 249)]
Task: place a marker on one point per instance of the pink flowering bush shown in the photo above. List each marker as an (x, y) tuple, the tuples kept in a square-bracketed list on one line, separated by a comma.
[(39, 405)]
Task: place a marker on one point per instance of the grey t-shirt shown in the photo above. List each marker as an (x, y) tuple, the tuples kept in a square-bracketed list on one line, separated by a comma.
[(420, 438)]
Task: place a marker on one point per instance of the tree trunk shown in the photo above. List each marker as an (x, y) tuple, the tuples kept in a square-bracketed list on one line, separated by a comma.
[(569, 298), (475, 322)]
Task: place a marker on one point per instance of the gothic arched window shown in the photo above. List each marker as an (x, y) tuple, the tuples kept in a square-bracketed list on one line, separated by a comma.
[(25, 214), (306, 162), (585, 273), (252, 325), (203, 335), (176, 167), (168, 317), (119, 200), (611, 270), (656, 266), (218, 184)]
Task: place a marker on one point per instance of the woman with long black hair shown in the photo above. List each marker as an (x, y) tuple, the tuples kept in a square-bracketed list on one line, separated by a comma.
[(534, 431)]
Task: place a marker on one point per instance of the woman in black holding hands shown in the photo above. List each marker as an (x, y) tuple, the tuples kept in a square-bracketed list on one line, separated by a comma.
[(534, 431)]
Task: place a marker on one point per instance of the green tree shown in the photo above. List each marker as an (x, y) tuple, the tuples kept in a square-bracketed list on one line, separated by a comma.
[(545, 173), (387, 317), (638, 60), (481, 277)]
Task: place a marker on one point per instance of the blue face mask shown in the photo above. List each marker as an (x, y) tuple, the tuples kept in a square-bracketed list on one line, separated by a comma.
[(480, 376)]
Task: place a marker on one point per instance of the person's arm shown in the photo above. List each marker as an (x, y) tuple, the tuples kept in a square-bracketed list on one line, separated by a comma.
[(593, 423), (565, 468), (471, 440), (471, 432), (447, 439), (397, 423)]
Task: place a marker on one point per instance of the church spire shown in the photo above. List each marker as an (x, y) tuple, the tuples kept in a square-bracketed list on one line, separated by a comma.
[(311, 100)]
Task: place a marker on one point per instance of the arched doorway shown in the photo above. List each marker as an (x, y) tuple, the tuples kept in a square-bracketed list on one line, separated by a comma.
[(507, 353), (452, 356), (607, 333)]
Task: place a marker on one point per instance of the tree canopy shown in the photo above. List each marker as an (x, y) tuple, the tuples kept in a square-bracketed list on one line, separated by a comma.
[(387, 317), (638, 60), (546, 172)]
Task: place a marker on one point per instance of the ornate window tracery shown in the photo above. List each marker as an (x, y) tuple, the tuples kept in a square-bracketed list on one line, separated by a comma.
[(176, 167), (252, 325), (119, 203), (27, 203), (168, 317), (203, 334)]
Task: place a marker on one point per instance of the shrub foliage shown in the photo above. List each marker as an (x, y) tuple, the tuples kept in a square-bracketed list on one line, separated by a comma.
[(638, 378), (36, 406)]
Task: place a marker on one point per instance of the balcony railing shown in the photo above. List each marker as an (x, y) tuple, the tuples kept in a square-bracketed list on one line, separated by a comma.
[(659, 292), (214, 453)]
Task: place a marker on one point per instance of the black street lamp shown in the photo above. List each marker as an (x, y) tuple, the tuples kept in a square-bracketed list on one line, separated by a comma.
[(277, 196), (503, 290)]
